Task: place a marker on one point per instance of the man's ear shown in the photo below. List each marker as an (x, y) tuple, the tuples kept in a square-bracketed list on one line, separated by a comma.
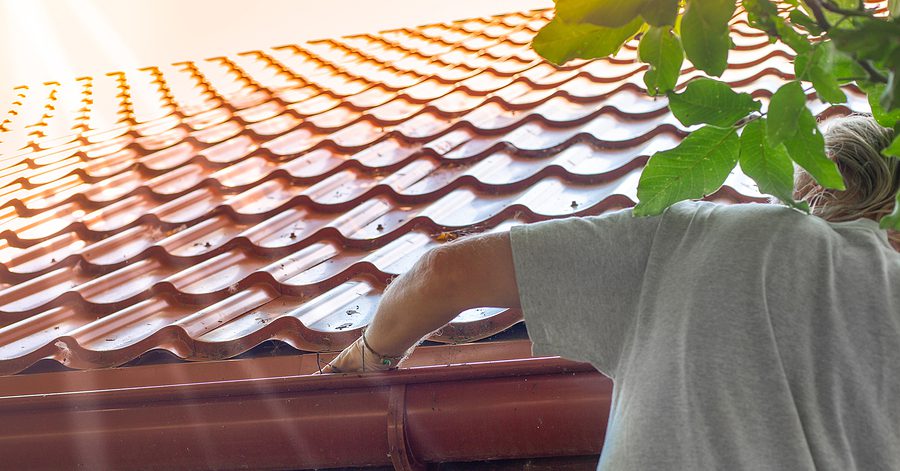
[(805, 187)]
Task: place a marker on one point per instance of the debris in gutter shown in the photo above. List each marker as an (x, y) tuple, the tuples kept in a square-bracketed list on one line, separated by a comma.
[(447, 236)]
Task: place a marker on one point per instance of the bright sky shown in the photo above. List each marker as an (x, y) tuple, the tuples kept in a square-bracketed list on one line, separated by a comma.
[(42, 40)]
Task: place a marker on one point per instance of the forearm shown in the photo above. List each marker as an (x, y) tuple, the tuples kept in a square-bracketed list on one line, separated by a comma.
[(476, 271), (414, 305), (473, 272)]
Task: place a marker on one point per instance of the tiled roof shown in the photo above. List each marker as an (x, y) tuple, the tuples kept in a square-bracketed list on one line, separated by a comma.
[(206, 207)]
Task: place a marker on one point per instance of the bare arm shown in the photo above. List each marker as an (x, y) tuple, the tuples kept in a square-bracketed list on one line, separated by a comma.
[(472, 272)]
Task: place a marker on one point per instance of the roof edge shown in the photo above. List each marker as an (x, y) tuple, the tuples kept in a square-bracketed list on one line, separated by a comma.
[(465, 410)]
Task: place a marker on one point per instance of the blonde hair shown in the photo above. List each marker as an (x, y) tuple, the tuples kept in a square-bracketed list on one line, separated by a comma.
[(855, 143)]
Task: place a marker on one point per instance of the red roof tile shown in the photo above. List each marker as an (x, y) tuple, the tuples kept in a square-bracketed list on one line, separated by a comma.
[(206, 207)]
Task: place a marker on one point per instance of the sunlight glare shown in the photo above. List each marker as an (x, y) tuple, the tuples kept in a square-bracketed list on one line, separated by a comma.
[(95, 23), (33, 25)]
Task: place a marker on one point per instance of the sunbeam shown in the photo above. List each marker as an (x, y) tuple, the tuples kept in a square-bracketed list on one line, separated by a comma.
[(105, 36), (34, 27)]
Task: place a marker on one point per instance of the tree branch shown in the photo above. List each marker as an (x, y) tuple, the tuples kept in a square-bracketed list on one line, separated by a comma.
[(817, 12), (835, 9), (874, 75), (753, 116), (816, 6)]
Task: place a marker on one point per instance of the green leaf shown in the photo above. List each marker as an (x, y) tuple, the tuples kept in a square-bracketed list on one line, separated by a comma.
[(846, 69), (868, 38), (784, 107), (711, 102), (817, 66), (559, 42), (696, 167), (791, 37), (661, 48), (799, 17), (761, 14), (770, 166), (894, 8), (660, 12), (892, 221), (609, 13), (893, 150), (834, 18), (705, 34), (807, 148), (888, 119), (890, 98)]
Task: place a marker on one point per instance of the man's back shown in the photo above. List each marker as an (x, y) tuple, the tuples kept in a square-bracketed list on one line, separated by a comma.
[(750, 337)]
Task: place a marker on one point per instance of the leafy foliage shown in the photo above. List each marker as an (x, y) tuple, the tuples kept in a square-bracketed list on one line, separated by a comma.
[(884, 118), (893, 220), (893, 150), (836, 42), (697, 167), (847, 70), (816, 65), (711, 102), (801, 19), (660, 12), (705, 34), (661, 48), (769, 165), (784, 107), (807, 148), (609, 13), (559, 41), (762, 14)]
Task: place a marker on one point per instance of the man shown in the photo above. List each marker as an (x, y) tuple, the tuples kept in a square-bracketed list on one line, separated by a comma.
[(737, 337)]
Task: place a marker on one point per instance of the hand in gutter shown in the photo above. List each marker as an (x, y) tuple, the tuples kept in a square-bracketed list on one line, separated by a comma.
[(471, 272), (359, 357)]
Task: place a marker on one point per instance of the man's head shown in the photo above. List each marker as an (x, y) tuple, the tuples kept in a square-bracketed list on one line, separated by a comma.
[(855, 144)]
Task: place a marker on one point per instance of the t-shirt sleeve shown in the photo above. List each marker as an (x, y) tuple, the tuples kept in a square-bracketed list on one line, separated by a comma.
[(580, 281)]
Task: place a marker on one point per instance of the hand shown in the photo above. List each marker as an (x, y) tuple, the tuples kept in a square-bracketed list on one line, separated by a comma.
[(355, 358)]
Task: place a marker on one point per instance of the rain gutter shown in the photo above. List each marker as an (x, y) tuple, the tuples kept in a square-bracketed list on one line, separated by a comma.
[(481, 401)]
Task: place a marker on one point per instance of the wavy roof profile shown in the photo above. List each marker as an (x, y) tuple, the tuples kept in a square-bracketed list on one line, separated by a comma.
[(206, 207)]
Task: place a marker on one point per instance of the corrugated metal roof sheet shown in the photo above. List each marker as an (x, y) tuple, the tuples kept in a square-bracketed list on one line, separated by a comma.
[(206, 207)]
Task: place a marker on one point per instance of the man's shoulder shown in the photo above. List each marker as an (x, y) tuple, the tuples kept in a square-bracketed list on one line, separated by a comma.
[(742, 221), (760, 213), (704, 219)]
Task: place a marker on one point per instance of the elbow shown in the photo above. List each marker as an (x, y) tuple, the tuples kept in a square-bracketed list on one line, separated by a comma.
[(442, 271), (474, 272)]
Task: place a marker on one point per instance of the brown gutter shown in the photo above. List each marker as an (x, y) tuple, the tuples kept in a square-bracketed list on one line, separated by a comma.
[(269, 413)]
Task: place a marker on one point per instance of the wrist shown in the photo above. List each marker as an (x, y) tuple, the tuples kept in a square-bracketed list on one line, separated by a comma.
[(381, 358), (385, 341)]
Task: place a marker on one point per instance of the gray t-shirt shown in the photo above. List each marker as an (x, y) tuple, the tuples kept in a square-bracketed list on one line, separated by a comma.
[(737, 337)]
